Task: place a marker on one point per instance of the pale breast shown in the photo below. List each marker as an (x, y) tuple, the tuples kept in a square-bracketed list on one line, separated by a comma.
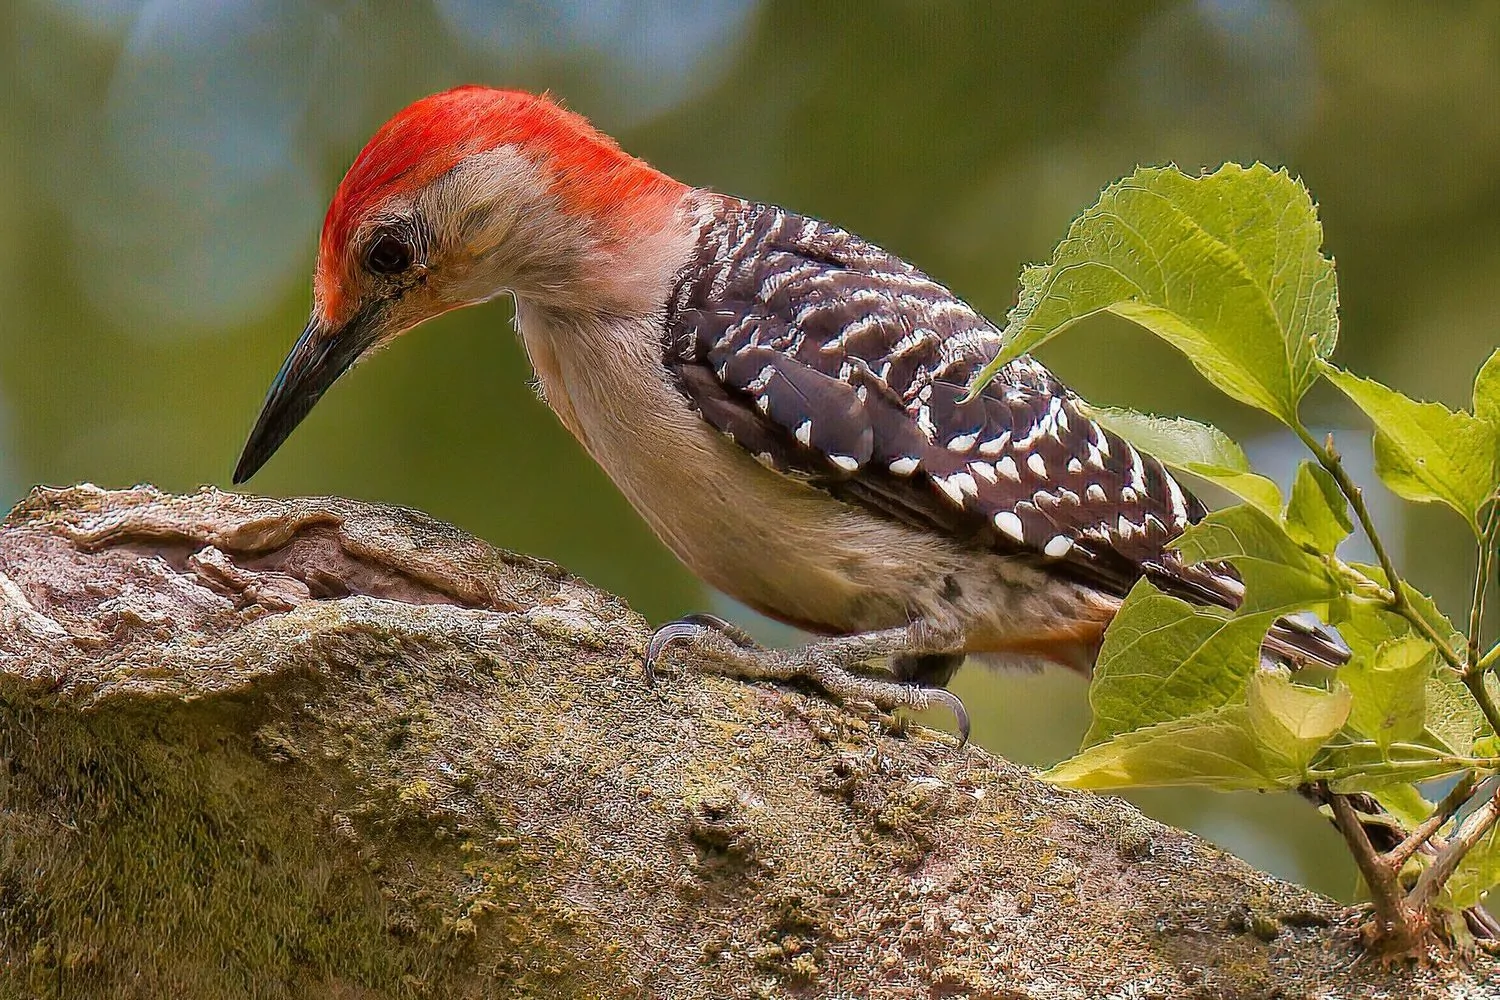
[(784, 548)]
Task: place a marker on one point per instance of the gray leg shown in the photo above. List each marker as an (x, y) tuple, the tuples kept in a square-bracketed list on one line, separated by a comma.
[(826, 662)]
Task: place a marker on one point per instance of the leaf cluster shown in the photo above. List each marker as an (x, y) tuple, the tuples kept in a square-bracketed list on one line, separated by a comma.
[(1228, 268)]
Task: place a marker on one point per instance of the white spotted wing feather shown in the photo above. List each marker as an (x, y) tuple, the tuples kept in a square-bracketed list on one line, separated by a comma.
[(844, 366)]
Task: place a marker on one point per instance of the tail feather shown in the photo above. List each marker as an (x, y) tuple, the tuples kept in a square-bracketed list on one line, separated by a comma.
[(1299, 639), (1303, 640)]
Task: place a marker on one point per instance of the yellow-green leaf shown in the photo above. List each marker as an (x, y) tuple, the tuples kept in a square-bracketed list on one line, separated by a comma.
[(1165, 659), (1278, 573), (1213, 750), (1317, 515), (1198, 449), (1225, 267), (1487, 390), (1425, 451), (1267, 743), (1405, 803), (1291, 722), (1452, 720), (1477, 873), (1390, 689)]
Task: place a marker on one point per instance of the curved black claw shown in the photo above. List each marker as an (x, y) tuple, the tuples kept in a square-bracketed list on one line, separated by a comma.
[(687, 627), (954, 704)]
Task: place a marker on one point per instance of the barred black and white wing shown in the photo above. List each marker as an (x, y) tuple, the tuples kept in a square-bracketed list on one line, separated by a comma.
[(838, 363)]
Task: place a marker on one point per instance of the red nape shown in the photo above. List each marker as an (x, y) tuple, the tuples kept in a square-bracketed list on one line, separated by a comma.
[(591, 174)]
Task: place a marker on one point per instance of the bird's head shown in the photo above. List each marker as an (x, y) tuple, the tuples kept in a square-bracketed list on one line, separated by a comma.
[(463, 196)]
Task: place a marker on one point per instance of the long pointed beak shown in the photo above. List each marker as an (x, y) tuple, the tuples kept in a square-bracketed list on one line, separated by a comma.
[(319, 357)]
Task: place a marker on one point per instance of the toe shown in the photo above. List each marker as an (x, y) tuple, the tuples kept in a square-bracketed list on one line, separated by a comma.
[(954, 704), (724, 627), (682, 630)]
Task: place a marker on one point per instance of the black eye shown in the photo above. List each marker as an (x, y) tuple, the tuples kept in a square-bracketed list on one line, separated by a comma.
[(389, 254)]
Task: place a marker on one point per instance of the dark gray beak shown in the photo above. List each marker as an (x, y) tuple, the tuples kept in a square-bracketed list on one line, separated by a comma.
[(319, 357)]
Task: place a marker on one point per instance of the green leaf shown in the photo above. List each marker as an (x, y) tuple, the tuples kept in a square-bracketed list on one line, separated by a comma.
[(1199, 449), (1318, 514), (1487, 390), (1165, 659), (1212, 750), (1225, 267), (1477, 873), (1366, 625), (1264, 744), (1425, 451), (1251, 487), (1390, 689), (1453, 720), (1292, 722), (1278, 573), (1425, 606), (1405, 803), (1428, 610), (1174, 440)]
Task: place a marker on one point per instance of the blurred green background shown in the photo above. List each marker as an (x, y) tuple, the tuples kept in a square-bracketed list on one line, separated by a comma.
[(164, 166)]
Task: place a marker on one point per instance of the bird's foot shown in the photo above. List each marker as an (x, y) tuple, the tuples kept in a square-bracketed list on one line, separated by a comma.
[(694, 628), (828, 663)]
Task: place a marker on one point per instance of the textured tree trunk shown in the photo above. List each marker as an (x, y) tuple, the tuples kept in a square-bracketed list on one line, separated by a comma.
[(318, 748)]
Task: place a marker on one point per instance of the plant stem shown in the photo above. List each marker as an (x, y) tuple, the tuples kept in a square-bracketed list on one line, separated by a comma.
[(1420, 753), (1491, 658), (1475, 826), (1403, 607), (1396, 917), (1331, 464), (1481, 692), (1397, 856), (1482, 569), (1399, 603), (1421, 769), (1475, 669), (1402, 918)]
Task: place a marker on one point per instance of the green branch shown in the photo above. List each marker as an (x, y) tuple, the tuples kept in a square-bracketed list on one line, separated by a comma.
[(1481, 692), (1428, 828), (1473, 671), (1328, 458), (1483, 565), (1474, 826), (1488, 661), (1420, 770), (1255, 241)]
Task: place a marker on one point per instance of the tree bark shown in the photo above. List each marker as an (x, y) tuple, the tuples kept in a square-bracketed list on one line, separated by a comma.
[(299, 748)]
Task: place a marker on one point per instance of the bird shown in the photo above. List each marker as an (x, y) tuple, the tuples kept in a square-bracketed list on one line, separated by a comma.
[(784, 403)]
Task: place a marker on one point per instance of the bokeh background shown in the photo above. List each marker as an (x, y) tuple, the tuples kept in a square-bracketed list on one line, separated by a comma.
[(164, 166)]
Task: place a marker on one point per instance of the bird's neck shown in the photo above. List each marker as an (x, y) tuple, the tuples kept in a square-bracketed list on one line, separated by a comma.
[(616, 272), (603, 332)]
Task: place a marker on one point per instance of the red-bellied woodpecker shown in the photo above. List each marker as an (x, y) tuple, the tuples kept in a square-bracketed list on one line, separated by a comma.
[(779, 399)]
